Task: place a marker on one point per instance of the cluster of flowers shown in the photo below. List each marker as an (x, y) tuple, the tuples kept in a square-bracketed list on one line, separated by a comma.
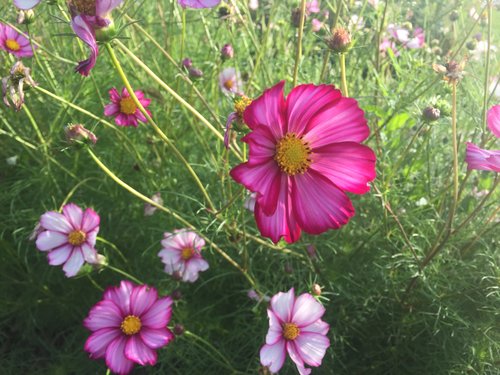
[(403, 37)]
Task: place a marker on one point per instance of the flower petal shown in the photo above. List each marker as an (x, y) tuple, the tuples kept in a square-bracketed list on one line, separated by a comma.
[(480, 159), (282, 305), (26, 4), (318, 205), (275, 332), (273, 356), (312, 347), (74, 262), (56, 222), (48, 240), (141, 299), (98, 342), (115, 357), (60, 255), (140, 353), (159, 314), (156, 338), (318, 326), (86, 33), (193, 267), (103, 7), (74, 215), (111, 109), (306, 310), (348, 165), (90, 220), (104, 314), (494, 120), (89, 253), (120, 296)]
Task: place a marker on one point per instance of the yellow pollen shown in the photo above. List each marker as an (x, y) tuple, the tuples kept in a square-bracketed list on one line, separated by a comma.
[(292, 154), (127, 106), (241, 104), (131, 325), (229, 84), (290, 331), (187, 253), (86, 7), (12, 45), (77, 237)]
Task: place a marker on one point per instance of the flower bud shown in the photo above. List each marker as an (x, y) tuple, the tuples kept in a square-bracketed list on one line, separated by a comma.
[(224, 10), (195, 73), (227, 52), (296, 16), (176, 295), (431, 114), (187, 62), (25, 17), (78, 133), (471, 45), (179, 329), (339, 41), (316, 290), (311, 251), (107, 33)]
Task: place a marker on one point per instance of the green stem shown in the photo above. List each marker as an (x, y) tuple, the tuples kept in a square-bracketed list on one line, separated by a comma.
[(343, 74), (298, 55), (222, 359), (487, 70), (123, 273), (160, 133), (455, 153)]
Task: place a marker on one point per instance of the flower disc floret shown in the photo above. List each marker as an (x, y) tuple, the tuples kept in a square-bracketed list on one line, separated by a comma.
[(293, 154), (131, 325), (77, 237), (290, 331), (127, 106), (12, 45)]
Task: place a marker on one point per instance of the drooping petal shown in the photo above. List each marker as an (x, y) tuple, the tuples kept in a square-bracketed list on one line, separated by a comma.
[(26, 4), (141, 299), (275, 332), (90, 220), (74, 262), (55, 221), (494, 120), (48, 240), (193, 267), (342, 121), (282, 305), (294, 354), (480, 159), (281, 223), (140, 353), (311, 347), (318, 205), (98, 342), (86, 33), (60, 255), (156, 338), (268, 110), (348, 165), (273, 356), (305, 101), (115, 357), (120, 296), (158, 315), (103, 7), (105, 314), (74, 215), (306, 310)]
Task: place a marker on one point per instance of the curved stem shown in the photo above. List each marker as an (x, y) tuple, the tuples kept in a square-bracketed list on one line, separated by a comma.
[(298, 55), (123, 273), (160, 133)]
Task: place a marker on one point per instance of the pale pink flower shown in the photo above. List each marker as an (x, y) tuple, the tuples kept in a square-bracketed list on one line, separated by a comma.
[(69, 237), (124, 109), (199, 3), (26, 4), (305, 152), (316, 25), (230, 81), (128, 326), (181, 254), (14, 43), (312, 7), (253, 4), (149, 209), (296, 328)]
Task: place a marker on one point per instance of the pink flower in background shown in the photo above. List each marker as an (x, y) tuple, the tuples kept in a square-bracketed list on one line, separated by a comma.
[(127, 327), (305, 152), (230, 81), (316, 25), (402, 35), (312, 7), (149, 209), (69, 238), (26, 4), (199, 3), (417, 40), (296, 328), (250, 201), (386, 44), (494, 120), (181, 254), (14, 43), (253, 4), (124, 109)]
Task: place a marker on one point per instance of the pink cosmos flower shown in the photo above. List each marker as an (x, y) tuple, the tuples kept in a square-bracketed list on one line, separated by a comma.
[(181, 254), (402, 35), (230, 81), (198, 3), (123, 107), (14, 43), (316, 25), (494, 120), (295, 326), (305, 152), (312, 7), (127, 327), (26, 4), (69, 238), (87, 17)]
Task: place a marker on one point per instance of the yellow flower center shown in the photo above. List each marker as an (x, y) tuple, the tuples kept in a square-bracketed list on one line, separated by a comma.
[(131, 325), (187, 253), (77, 237), (12, 45), (292, 154), (241, 104), (290, 331), (229, 84), (85, 6), (127, 106)]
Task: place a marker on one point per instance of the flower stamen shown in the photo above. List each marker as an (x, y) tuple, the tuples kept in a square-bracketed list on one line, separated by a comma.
[(77, 237), (290, 331), (131, 325), (127, 106), (187, 253), (12, 45), (293, 154)]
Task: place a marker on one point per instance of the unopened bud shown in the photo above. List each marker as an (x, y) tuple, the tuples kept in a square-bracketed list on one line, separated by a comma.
[(471, 45), (454, 15), (78, 133), (431, 114), (224, 11), (179, 329), (187, 62), (311, 251), (176, 294), (316, 290), (227, 52), (295, 17), (25, 17), (339, 41), (195, 73)]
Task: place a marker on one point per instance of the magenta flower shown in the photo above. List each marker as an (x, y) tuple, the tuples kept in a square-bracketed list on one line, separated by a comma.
[(69, 238), (295, 326), (127, 326), (14, 43), (198, 3), (181, 254), (230, 81), (494, 120), (26, 4), (305, 152), (123, 107), (87, 17)]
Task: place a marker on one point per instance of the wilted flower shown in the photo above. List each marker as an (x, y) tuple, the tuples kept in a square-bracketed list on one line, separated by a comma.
[(339, 41), (14, 43), (230, 81), (452, 71), (198, 3), (13, 85), (304, 153), (124, 109), (240, 104), (128, 325), (78, 133), (149, 209), (181, 254), (69, 238), (295, 326), (227, 51)]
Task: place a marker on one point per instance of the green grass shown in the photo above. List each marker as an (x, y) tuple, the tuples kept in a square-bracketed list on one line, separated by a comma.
[(447, 324)]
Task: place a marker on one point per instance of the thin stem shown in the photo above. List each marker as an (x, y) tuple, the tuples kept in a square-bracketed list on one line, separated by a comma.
[(455, 152), (298, 55), (487, 69), (123, 273), (343, 74), (162, 135)]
